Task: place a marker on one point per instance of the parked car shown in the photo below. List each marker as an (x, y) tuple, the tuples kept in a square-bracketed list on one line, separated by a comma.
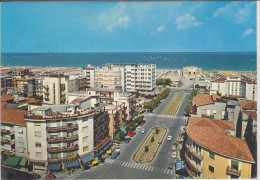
[(50, 176), (138, 127), (170, 165), (169, 138), (131, 134), (142, 131), (174, 154), (114, 155), (174, 146), (127, 140)]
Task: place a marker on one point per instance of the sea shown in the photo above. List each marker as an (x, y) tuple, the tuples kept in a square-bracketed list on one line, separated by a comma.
[(163, 60)]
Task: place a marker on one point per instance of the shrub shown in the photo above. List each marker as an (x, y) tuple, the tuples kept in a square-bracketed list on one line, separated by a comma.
[(157, 131), (122, 135), (152, 139), (146, 148)]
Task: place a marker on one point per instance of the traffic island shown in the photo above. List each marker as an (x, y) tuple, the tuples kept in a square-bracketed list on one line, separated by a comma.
[(174, 104), (150, 146)]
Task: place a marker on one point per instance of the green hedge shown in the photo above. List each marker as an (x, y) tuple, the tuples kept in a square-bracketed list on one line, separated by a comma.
[(154, 102)]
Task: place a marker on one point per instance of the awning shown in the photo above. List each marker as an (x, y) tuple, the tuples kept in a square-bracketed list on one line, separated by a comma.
[(100, 152), (74, 163), (108, 145), (23, 161), (12, 161), (87, 158), (56, 166), (116, 137), (179, 165), (123, 129)]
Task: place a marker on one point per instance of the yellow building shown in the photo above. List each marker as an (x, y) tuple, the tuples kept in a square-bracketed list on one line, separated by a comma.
[(211, 152), (191, 71)]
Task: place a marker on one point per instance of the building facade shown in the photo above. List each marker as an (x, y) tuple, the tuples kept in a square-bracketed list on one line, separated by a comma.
[(191, 72)]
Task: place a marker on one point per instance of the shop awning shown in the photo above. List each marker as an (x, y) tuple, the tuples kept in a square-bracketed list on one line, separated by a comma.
[(100, 152), (12, 161), (74, 163), (56, 166), (179, 165), (87, 158), (123, 129), (108, 145), (23, 161)]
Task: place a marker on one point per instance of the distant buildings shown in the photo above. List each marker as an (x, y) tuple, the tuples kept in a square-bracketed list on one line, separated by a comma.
[(213, 153), (191, 72), (234, 86)]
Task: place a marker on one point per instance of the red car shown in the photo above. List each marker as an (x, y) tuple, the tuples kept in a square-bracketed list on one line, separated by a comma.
[(131, 134), (143, 122), (50, 176)]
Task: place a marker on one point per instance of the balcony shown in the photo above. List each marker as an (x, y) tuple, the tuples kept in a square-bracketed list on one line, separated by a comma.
[(193, 151), (62, 87), (62, 128), (46, 92), (62, 159), (190, 172), (62, 149), (196, 166), (7, 141), (46, 87), (4, 131), (233, 171), (210, 116), (60, 139), (100, 125), (46, 98)]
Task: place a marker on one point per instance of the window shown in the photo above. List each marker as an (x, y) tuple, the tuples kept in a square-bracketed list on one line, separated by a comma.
[(54, 156), (211, 169), (38, 155), (21, 150), (85, 139), (85, 148), (38, 133), (70, 154), (85, 118), (85, 129), (37, 124), (21, 144), (234, 165), (38, 144), (212, 156), (20, 130), (20, 139)]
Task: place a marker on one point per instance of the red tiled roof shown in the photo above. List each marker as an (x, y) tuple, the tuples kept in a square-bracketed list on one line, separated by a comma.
[(32, 100), (102, 143), (12, 116), (215, 96), (198, 121), (235, 96), (201, 100), (219, 80), (249, 105), (3, 104), (5, 98), (3, 90), (214, 138), (5, 71), (252, 114), (251, 82)]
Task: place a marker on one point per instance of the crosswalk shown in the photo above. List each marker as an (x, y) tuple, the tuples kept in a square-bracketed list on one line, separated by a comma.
[(72, 176), (166, 116), (140, 166)]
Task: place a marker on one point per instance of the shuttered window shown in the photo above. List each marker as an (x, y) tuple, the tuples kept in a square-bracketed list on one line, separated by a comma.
[(212, 156)]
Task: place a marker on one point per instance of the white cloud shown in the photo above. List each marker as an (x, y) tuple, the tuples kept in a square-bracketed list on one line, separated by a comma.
[(187, 21), (159, 29), (236, 11), (247, 32)]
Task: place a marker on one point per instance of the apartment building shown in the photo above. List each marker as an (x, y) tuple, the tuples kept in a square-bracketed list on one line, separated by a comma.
[(212, 153), (24, 86), (38, 86), (64, 136), (55, 89), (6, 80), (235, 86), (191, 71), (77, 84), (89, 72), (13, 132), (137, 77)]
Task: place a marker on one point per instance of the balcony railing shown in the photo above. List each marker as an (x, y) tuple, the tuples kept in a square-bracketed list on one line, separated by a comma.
[(196, 166), (62, 128), (7, 141), (46, 87), (62, 159), (46, 98), (68, 138), (190, 172), (46, 92), (62, 149), (7, 131), (193, 151), (100, 125), (233, 171), (211, 116)]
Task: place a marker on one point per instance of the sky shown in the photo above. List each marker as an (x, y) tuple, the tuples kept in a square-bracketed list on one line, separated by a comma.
[(128, 27)]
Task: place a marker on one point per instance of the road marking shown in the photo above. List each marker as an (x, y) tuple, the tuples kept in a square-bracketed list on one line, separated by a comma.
[(165, 170), (123, 163), (134, 165), (149, 168), (168, 171), (146, 167), (171, 172), (129, 164), (126, 164)]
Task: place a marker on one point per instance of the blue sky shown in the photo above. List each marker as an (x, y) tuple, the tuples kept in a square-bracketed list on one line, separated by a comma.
[(128, 27)]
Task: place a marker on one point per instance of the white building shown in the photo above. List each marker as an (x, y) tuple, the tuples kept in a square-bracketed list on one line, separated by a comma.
[(137, 77), (235, 86), (62, 133), (191, 71), (55, 89)]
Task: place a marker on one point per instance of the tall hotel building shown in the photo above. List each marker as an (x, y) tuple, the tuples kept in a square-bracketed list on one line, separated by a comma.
[(136, 77)]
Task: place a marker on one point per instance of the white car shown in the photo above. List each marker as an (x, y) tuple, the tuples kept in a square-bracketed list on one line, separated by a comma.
[(138, 127), (142, 131), (174, 155), (169, 138)]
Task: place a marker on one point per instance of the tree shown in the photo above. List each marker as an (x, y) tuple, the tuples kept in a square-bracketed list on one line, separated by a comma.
[(122, 135), (146, 148), (137, 94), (157, 131), (219, 94), (197, 86), (152, 139), (187, 108)]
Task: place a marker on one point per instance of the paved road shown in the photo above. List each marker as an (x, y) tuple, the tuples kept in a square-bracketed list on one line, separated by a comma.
[(124, 167)]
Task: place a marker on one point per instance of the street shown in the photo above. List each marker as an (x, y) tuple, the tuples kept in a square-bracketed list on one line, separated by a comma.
[(124, 167)]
